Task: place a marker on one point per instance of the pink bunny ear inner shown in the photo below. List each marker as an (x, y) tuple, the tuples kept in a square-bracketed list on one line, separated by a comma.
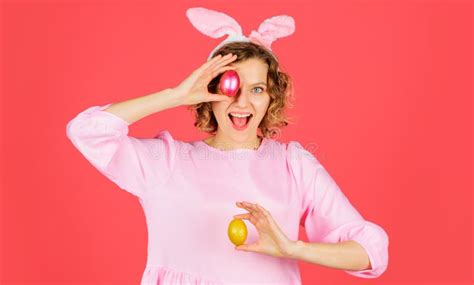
[(213, 23), (272, 29), (278, 26)]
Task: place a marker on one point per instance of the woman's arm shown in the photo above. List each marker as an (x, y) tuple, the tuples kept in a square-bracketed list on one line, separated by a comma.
[(347, 255), (100, 133), (138, 165), (192, 90), (134, 109), (331, 222)]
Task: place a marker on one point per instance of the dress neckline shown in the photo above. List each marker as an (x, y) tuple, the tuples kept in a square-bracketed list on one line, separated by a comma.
[(262, 145)]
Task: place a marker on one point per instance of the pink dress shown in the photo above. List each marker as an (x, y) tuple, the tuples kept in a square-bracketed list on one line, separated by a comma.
[(188, 192)]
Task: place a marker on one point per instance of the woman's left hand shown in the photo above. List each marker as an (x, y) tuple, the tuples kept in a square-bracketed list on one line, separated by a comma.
[(272, 240)]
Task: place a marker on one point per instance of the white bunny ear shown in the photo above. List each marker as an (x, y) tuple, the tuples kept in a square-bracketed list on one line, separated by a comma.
[(273, 28), (212, 23)]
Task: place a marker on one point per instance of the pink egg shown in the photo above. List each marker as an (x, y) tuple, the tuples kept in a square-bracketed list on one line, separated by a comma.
[(229, 83)]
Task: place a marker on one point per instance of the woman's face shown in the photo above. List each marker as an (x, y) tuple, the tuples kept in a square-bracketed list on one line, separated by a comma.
[(252, 98)]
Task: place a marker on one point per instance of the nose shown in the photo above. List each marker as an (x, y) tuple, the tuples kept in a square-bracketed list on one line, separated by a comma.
[(241, 98)]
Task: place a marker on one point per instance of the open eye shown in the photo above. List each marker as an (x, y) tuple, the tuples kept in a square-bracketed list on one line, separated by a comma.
[(260, 88)]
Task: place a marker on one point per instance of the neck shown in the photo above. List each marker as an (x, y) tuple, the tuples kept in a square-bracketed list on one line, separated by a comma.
[(223, 142)]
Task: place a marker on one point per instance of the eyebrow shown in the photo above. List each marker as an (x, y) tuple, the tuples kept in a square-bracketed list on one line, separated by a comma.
[(263, 83)]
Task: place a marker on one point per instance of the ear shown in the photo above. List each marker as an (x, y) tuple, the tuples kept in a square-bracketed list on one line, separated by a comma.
[(272, 29), (212, 23)]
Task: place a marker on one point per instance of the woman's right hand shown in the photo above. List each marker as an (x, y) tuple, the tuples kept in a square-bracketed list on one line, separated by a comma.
[(193, 89)]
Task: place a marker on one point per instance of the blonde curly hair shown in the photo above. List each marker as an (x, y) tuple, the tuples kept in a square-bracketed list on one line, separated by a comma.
[(280, 89)]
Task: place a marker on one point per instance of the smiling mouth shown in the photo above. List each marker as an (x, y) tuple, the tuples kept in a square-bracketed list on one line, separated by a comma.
[(240, 123)]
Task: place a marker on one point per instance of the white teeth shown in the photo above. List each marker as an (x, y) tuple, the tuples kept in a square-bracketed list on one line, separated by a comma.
[(240, 115)]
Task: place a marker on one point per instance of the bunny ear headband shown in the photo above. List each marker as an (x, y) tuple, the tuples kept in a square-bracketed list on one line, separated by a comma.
[(216, 24)]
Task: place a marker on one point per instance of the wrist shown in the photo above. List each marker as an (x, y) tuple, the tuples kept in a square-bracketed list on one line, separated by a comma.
[(165, 99), (293, 248), (176, 96)]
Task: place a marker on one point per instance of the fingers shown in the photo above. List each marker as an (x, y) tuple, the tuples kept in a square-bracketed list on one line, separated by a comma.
[(224, 60), (220, 59), (222, 69), (217, 97), (248, 206), (211, 62), (248, 247), (228, 58), (215, 64), (256, 212), (248, 216), (243, 216), (263, 211)]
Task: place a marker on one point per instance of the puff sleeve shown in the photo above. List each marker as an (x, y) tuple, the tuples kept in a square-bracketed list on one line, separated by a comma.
[(328, 216), (133, 164)]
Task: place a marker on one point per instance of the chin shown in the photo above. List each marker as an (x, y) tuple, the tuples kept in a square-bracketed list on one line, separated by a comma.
[(242, 136)]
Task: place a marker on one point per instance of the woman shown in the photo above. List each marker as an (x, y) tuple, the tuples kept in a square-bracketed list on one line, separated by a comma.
[(190, 191)]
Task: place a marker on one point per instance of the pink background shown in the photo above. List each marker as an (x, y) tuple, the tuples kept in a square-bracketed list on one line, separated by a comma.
[(384, 100)]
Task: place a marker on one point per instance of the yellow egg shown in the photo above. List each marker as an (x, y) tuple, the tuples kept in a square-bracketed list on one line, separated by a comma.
[(237, 232)]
